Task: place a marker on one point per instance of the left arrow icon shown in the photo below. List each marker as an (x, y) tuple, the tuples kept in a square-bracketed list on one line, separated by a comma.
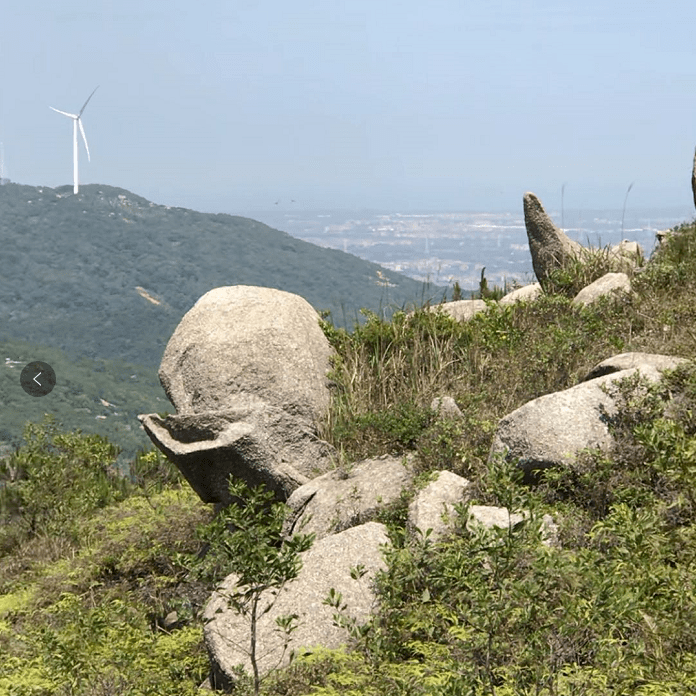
[(29, 379)]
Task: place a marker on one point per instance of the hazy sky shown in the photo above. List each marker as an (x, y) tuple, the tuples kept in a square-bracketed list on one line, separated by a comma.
[(439, 105)]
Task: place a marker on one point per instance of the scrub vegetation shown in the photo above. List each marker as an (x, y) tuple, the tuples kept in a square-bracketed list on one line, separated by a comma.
[(92, 565)]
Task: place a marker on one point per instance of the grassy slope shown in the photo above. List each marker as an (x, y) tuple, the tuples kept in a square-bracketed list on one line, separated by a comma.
[(86, 583)]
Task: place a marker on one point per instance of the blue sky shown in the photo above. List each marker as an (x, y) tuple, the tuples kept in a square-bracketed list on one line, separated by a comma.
[(439, 105)]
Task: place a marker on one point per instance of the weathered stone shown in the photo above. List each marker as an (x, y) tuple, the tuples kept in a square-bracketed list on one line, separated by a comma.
[(265, 445), (609, 283), (553, 429), (246, 370), (626, 361), (549, 246), (326, 565), (626, 255), (433, 507), (461, 310), (243, 346), (446, 406), (528, 293), (171, 621), (345, 498), (489, 516)]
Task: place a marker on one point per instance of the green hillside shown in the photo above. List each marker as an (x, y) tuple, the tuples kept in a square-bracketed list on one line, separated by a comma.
[(92, 566), (100, 397), (107, 274)]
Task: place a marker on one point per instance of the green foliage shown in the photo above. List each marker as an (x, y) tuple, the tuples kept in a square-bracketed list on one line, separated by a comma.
[(486, 293), (248, 532), (77, 401), (76, 649), (106, 242), (609, 611), (56, 478)]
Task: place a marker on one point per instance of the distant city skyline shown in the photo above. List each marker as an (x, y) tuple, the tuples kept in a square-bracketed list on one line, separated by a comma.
[(442, 106)]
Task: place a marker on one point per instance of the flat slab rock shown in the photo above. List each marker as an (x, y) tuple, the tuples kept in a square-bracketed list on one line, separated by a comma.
[(627, 361), (342, 499), (262, 446), (326, 565)]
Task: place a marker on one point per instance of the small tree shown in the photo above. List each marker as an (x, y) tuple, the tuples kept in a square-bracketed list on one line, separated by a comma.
[(248, 533)]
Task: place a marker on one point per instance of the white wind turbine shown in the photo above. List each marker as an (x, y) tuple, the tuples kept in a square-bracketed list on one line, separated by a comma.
[(77, 121)]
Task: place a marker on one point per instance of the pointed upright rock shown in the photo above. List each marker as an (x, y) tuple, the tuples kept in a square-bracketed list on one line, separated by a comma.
[(693, 178), (549, 246)]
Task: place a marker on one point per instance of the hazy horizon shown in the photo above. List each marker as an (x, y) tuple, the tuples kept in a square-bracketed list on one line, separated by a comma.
[(404, 106)]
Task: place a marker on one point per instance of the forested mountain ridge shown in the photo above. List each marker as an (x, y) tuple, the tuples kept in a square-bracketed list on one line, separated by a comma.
[(107, 274)]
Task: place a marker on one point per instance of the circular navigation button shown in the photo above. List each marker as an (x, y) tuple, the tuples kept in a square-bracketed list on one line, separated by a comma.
[(38, 378)]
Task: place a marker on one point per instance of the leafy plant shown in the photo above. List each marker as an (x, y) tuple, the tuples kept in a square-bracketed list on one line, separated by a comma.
[(249, 535)]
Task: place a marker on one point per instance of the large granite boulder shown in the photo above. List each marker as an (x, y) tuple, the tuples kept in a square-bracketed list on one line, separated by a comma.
[(553, 429), (246, 346), (325, 566), (346, 498), (549, 246), (265, 445), (246, 371)]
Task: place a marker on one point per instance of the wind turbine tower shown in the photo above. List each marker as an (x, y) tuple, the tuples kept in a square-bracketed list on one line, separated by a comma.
[(77, 121)]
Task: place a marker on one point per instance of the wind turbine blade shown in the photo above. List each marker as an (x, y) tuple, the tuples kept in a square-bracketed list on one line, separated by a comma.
[(65, 113), (87, 102), (84, 137)]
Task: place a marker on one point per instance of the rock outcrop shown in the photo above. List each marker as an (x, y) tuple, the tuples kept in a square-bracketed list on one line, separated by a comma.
[(325, 566), (553, 429), (445, 406), (609, 283), (342, 499), (461, 310), (433, 513), (550, 247), (433, 508), (628, 361), (246, 371), (528, 293), (490, 516)]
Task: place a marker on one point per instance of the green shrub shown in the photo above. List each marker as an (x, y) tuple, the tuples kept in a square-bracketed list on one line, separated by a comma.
[(60, 478)]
